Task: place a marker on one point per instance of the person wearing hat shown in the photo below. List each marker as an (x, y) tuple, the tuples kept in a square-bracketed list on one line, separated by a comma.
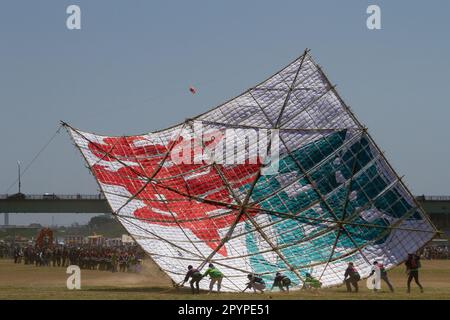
[(281, 281), (311, 282), (383, 274), (195, 276), (351, 277), (255, 283), (412, 269), (215, 275)]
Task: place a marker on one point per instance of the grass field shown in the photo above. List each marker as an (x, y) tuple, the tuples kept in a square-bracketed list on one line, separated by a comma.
[(18, 281)]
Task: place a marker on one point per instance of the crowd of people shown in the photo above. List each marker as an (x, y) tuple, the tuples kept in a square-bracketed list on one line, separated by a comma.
[(4, 250), (351, 278), (255, 282), (412, 264), (129, 259), (106, 258), (436, 252)]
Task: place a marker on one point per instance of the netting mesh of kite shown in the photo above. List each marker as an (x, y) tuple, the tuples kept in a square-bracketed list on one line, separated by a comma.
[(333, 198)]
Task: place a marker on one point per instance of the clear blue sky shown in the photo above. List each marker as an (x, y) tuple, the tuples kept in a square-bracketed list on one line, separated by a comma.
[(129, 68)]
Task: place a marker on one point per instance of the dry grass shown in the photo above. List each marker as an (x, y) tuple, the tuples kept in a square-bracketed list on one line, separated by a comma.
[(29, 282)]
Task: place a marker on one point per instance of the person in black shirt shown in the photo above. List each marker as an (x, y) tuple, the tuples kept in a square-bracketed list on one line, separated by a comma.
[(195, 276), (281, 281), (255, 283), (412, 269), (351, 277)]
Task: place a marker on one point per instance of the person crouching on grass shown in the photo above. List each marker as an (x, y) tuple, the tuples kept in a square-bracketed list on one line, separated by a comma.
[(351, 277), (311, 282), (195, 276), (255, 283), (215, 275), (281, 281)]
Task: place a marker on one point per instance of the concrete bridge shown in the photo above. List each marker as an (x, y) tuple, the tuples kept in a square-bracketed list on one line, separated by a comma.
[(52, 203), (438, 207)]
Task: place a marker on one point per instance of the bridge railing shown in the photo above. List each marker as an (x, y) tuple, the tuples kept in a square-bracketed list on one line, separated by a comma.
[(433, 198), (53, 196)]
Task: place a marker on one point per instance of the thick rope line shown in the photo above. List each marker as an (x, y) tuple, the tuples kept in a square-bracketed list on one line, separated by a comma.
[(36, 156)]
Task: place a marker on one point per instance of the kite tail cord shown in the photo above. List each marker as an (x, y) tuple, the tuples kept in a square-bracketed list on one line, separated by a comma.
[(36, 157)]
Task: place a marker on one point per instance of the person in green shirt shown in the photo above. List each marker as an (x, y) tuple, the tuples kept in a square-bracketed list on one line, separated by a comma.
[(311, 282), (215, 275)]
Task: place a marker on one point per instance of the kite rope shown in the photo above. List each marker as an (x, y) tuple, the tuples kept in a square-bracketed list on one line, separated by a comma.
[(35, 158)]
